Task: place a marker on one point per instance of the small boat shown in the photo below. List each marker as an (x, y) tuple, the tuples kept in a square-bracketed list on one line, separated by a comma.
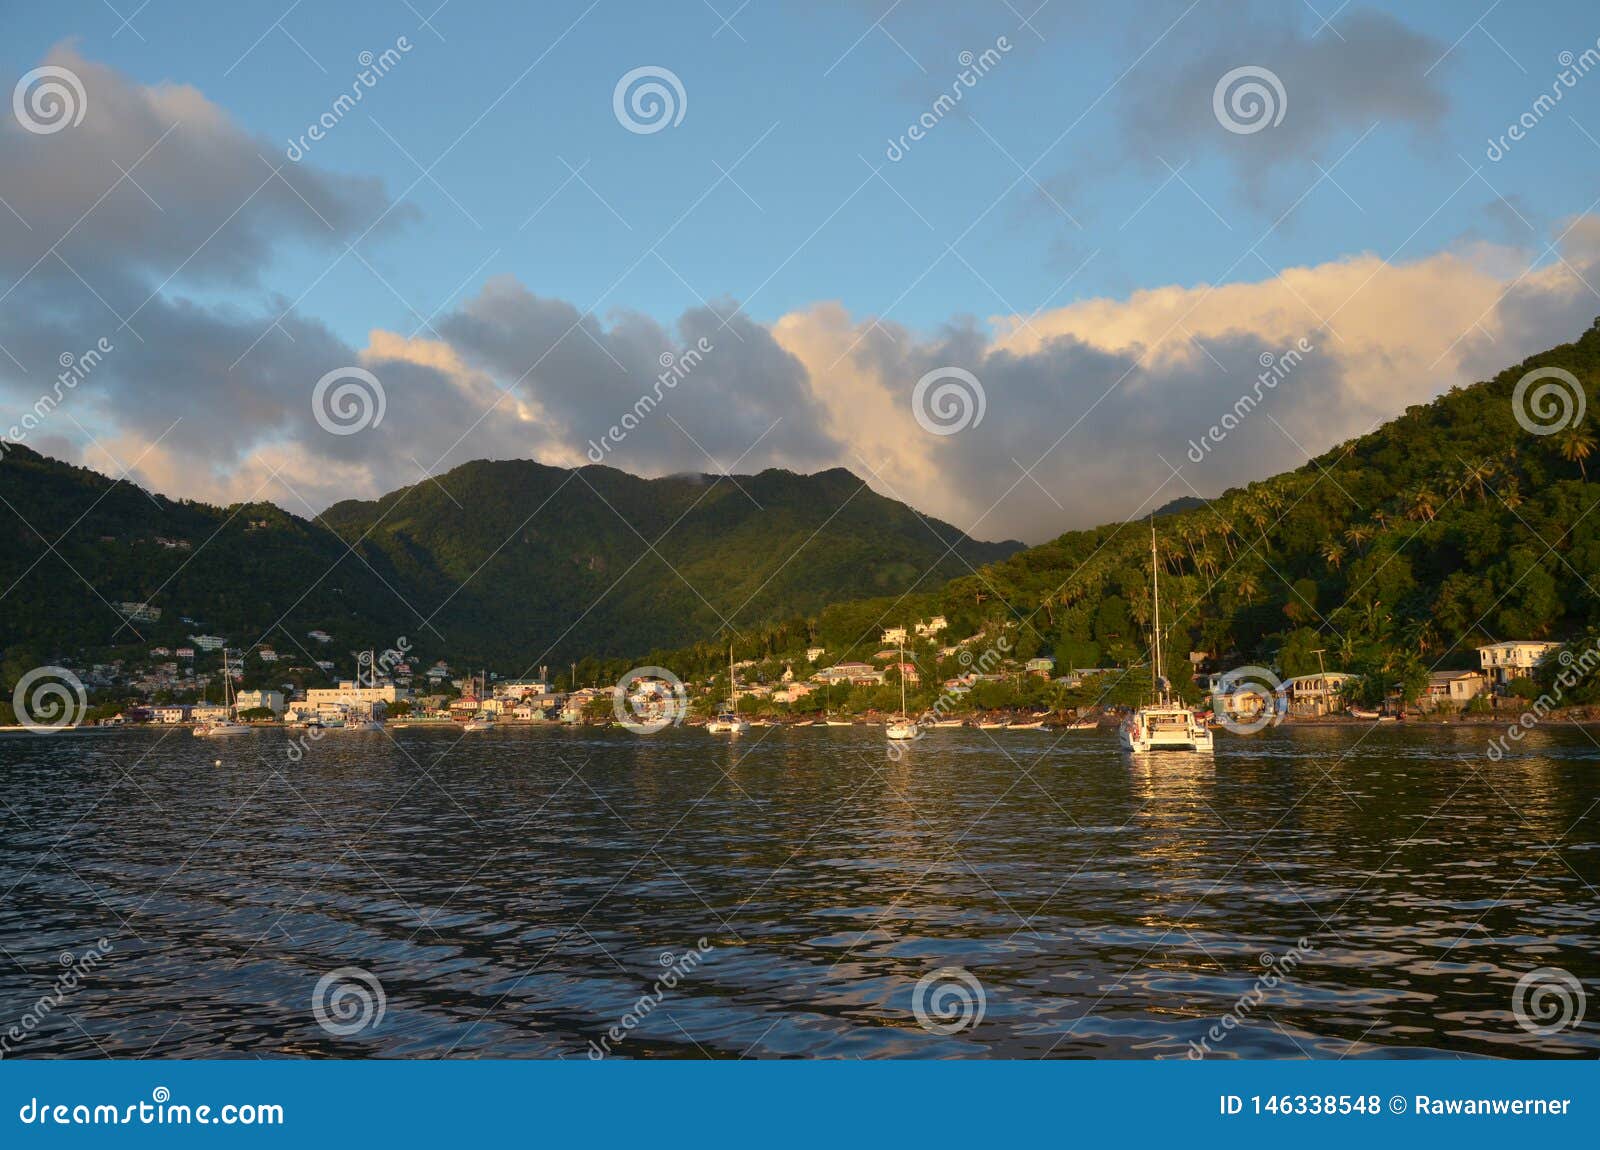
[(1164, 725), (947, 723), (990, 725), (729, 722), (479, 722), (364, 725), (220, 727), (1363, 713), (900, 726), (223, 726), (839, 722), (1034, 726)]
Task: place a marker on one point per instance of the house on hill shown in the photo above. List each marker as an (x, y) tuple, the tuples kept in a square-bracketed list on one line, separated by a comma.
[(1514, 659)]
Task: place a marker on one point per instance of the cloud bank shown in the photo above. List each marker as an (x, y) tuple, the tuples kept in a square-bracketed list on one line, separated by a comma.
[(167, 211)]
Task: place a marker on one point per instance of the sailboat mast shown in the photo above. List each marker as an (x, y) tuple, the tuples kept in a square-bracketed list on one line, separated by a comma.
[(733, 695), (902, 678), (1155, 584)]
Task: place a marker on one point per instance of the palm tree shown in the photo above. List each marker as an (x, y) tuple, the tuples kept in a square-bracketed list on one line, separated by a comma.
[(1357, 535), (1333, 554), (1575, 445), (1248, 586)]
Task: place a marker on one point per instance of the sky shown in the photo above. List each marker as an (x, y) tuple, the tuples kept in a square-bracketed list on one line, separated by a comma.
[(1008, 262)]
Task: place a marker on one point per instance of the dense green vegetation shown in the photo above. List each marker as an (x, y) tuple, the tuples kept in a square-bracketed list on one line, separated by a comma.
[(491, 564)]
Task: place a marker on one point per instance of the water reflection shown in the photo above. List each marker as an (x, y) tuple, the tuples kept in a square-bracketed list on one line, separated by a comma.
[(514, 892)]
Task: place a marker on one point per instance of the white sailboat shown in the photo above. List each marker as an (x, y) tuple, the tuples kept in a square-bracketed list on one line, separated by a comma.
[(482, 720), (729, 722), (1164, 725), (367, 720), (901, 726), (226, 725)]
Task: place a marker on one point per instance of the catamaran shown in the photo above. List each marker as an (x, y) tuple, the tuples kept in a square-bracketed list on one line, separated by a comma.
[(901, 726), (225, 725), (1164, 725), (729, 722)]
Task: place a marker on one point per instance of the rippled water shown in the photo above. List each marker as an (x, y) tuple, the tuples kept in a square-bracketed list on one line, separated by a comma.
[(515, 893)]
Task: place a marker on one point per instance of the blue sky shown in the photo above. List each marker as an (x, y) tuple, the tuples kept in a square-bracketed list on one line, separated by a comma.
[(824, 101), (1085, 165)]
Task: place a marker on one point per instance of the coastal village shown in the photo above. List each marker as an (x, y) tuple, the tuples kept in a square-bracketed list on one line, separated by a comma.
[(970, 680)]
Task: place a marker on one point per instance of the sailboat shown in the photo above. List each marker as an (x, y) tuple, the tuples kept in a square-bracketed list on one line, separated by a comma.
[(369, 720), (729, 722), (1164, 725), (900, 726), (225, 725), (483, 720)]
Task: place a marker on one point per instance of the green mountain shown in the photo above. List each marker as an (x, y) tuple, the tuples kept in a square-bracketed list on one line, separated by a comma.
[(496, 563), (1395, 553)]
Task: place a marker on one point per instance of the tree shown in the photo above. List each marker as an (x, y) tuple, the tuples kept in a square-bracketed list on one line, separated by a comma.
[(1576, 444)]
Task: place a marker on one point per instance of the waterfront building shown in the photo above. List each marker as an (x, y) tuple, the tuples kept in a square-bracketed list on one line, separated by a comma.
[(251, 700), (1514, 659)]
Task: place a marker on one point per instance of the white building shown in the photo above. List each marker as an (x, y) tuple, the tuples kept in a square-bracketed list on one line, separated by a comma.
[(893, 635), (1515, 659), (208, 642), (251, 700), (815, 653), (351, 696), (932, 627)]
